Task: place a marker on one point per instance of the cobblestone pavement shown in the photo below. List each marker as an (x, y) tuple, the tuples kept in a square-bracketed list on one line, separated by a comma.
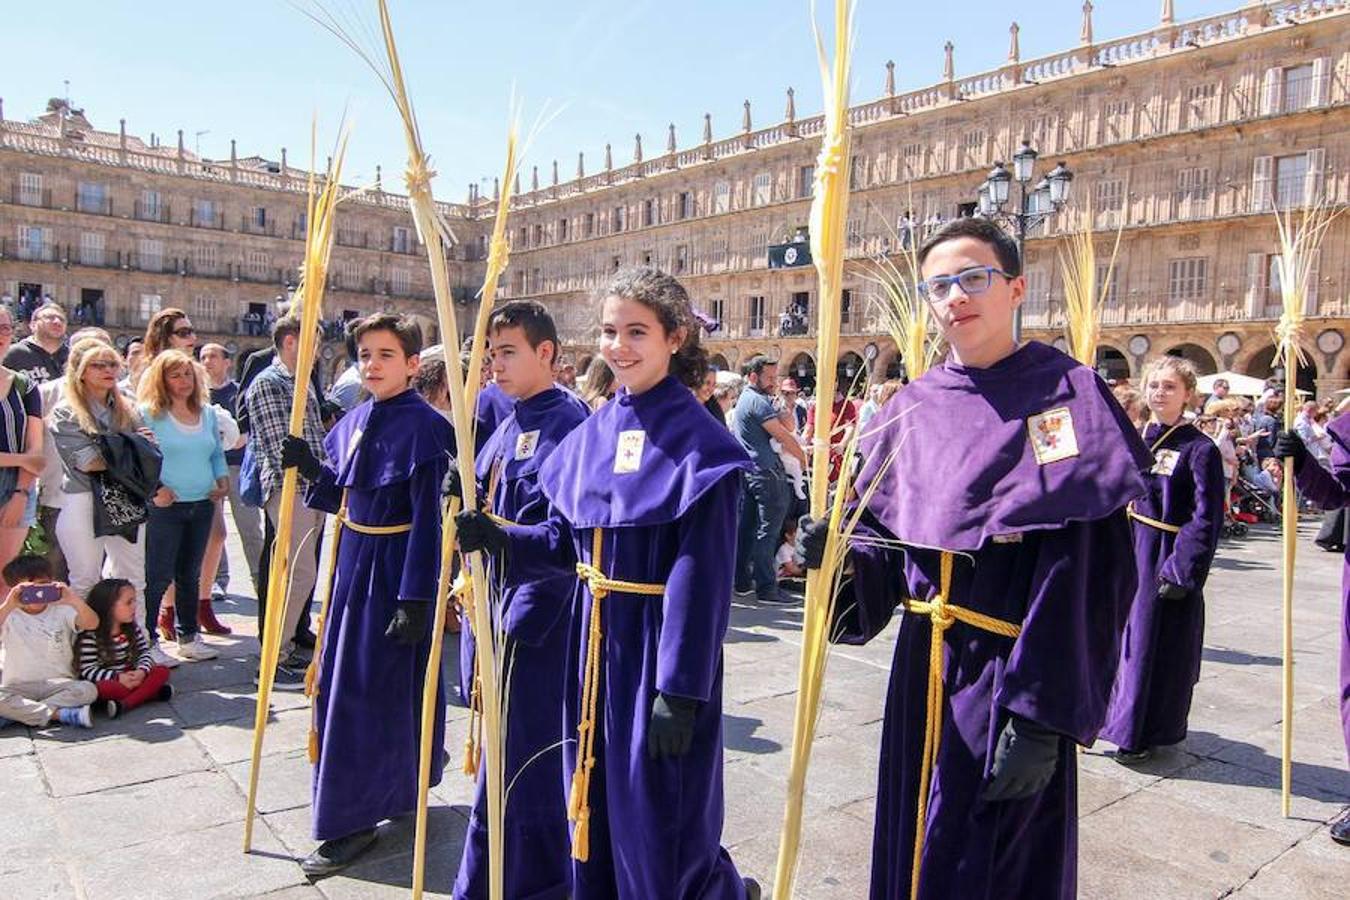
[(152, 805)]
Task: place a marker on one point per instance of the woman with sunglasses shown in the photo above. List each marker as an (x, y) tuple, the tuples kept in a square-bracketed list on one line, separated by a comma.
[(169, 329)]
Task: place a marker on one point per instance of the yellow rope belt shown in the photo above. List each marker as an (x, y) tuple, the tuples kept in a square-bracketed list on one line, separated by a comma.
[(600, 584), (942, 615), (1152, 523)]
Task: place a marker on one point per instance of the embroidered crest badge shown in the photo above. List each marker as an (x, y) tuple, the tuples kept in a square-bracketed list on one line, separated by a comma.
[(526, 442), (628, 457), (1052, 435), (1165, 462)]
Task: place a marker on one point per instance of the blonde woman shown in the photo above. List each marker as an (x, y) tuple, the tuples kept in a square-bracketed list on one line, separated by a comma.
[(173, 403), (91, 406)]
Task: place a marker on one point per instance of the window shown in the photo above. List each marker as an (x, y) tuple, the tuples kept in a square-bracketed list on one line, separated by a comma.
[(30, 189), (648, 213), (400, 282), (973, 144), (204, 258), (1297, 87), (1038, 296), (523, 238), (91, 249), (204, 307), (806, 181), (855, 235), (1200, 104), (1193, 183), (152, 255), (646, 257), (205, 214), (536, 281), (1108, 195), (1291, 178), (757, 309), (151, 207), (1106, 292), (35, 242), (681, 258), (93, 197), (257, 218), (482, 247), (912, 156), (857, 172), (1186, 279), (618, 219), (588, 225), (845, 306), (720, 250), (349, 276), (1274, 295), (562, 229), (721, 197), (717, 308), (149, 306), (762, 190), (402, 240), (616, 262), (539, 235), (684, 205), (256, 263)]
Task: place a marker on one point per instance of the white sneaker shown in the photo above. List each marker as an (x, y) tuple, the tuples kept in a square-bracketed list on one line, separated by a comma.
[(160, 658), (196, 649)]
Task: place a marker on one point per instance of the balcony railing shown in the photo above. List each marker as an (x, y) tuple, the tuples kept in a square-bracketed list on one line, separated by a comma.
[(27, 196), (250, 225), (98, 204), (153, 212), (203, 219)]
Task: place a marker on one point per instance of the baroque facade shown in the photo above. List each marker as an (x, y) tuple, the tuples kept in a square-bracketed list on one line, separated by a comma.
[(1190, 136)]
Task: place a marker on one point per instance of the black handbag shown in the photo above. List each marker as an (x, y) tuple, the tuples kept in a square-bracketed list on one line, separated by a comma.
[(117, 512)]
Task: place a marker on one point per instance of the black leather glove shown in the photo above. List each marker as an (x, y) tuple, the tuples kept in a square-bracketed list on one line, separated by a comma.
[(451, 486), (1288, 445), (671, 731), (1169, 591), (811, 537), (477, 532), (295, 454), (408, 625), (1024, 761)]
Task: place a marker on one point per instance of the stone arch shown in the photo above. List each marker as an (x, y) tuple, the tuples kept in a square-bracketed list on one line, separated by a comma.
[(802, 368), (1202, 359), (851, 372), (1112, 363), (1262, 365), (719, 362)]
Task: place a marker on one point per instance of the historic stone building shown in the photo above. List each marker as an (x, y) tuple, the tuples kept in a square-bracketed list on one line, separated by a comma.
[(1191, 134), (115, 228)]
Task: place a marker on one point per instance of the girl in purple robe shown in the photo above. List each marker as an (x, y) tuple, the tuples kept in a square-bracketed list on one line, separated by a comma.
[(996, 520), (643, 500), (1329, 489), (1176, 531), (389, 456)]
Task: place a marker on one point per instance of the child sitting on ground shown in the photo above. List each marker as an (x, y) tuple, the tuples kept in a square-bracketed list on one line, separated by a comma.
[(788, 567), (115, 656), (37, 635)]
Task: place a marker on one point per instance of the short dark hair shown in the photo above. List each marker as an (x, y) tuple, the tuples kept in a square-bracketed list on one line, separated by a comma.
[(529, 316), (284, 327), (349, 338), (27, 568), (756, 364), (404, 328), (981, 229)]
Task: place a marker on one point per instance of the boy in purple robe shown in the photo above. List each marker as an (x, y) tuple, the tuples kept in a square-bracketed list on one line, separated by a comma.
[(643, 499), (389, 456), (1329, 490), (523, 341), (1176, 531), (997, 523)]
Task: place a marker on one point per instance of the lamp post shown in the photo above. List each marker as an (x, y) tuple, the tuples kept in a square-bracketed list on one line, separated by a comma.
[(1034, 204)]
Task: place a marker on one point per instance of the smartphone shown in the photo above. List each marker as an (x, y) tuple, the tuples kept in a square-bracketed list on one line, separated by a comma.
[(39, 593)]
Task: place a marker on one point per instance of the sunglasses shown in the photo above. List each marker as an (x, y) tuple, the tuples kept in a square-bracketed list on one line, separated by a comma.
[(185, 332), (972, 282), (103, 365)]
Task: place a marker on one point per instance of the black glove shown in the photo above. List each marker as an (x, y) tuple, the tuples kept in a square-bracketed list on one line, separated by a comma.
[(477, 532), (811, 536), (451, 487), (1288, 445), (1024, 761), (1169, 591), (409, 623), (671, 731), (295, 454)]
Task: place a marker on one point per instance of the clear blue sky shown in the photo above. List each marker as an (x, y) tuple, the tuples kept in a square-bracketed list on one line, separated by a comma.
[(257, 70)]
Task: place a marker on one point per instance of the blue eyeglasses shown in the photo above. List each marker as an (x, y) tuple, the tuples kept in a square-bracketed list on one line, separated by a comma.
[(972, 281)]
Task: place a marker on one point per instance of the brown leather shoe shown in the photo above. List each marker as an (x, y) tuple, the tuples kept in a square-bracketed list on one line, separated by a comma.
[(207, 621)]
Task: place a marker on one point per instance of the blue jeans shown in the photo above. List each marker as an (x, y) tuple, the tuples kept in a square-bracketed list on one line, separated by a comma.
[(764, 504), (175, 541)]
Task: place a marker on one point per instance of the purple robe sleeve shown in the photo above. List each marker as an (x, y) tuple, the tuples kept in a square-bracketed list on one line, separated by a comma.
[(323, 492), (1063, 664), (697, 602), (539, 551), (867, 600), (422, 561), (1326, 489), (532, 610), (1193, 550)]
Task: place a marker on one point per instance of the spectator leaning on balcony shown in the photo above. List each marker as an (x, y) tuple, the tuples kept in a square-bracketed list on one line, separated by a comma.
[(42, 355)]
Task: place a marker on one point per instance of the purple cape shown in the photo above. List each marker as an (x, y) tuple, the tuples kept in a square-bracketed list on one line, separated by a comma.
[(683, 454), (368, 709), (494, 404), (1331, 490), (537, 848), (962, 445), (1164, 639)]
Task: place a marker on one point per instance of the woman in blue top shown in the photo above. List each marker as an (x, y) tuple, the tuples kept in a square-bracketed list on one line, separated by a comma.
[(173, 405)]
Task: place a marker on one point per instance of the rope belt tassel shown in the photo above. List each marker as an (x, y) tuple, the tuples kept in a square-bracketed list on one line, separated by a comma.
[(942, 615), (578, 801)]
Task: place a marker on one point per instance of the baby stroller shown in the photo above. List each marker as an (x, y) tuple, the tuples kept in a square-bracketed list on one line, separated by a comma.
[(1251, 505)]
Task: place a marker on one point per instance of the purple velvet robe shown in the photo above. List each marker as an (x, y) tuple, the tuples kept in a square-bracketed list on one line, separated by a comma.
[(537, 848), (1331, 490), (494, 404), (667, 503), (1033, 508), (1163, 642), (390, 457)]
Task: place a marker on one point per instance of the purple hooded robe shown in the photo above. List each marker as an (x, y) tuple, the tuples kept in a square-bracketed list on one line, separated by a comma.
[(390, 457), (1163, 642), (1021, 470), (662, 480)]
